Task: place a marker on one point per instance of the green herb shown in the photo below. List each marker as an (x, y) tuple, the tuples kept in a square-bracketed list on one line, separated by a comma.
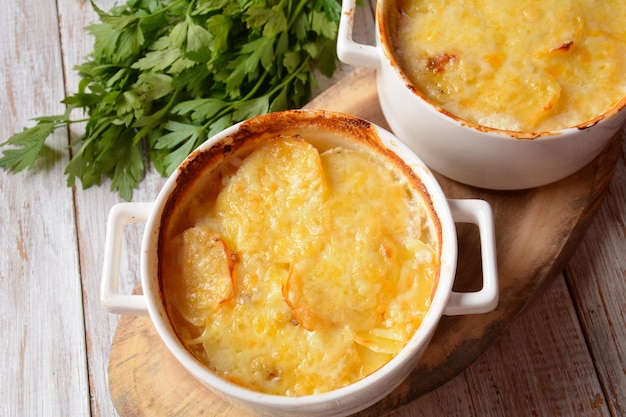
[(164, 76)]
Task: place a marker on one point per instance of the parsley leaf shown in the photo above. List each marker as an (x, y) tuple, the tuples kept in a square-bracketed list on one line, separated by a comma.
[(163, 76), (31, 142)]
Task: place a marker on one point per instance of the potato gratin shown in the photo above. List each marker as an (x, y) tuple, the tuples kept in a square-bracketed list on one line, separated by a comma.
[(514, 65), (306, 271)]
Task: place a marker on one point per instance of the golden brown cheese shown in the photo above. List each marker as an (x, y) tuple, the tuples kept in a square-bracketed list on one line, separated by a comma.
[(308, 272), (514, 65)]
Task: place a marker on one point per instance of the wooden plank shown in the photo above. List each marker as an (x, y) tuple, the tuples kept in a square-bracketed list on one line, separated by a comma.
[(540, 367), (452, 399), (92, 207), (43, 354), (597, 278)]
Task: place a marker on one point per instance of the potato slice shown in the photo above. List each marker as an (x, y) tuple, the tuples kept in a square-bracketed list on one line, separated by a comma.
[(381, 340), (301, 311), (352, 278), (206, 276), (273, 206)]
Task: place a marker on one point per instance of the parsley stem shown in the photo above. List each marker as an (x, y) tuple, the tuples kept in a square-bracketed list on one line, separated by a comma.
[(256, 87), (164, 9), (71, 122), (190, 8), (155, 118), (290, 77), (250, 95), (297, 11), (232, 105)]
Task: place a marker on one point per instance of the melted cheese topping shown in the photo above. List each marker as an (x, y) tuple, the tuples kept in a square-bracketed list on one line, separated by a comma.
[(515, 65), (308, 272)]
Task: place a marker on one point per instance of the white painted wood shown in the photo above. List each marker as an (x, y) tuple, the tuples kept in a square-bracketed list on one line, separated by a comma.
[(92, 207), (42, 343), (561, 357)]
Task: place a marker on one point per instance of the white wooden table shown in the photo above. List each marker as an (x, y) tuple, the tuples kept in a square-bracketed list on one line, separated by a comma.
[(565, 356)]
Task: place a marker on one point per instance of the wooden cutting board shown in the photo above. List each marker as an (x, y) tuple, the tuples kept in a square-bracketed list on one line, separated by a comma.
[(537, 231)]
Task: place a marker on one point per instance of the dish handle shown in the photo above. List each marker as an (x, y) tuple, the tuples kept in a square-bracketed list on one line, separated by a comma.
[(477, 212), (111, 298), (349, 51)]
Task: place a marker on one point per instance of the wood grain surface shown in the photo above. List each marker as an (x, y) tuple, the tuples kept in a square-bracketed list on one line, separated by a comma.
[(532, 249), (41, 320), (563, 356)]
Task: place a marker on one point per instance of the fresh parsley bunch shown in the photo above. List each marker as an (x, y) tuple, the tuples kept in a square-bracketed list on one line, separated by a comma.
[(166, 75)]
